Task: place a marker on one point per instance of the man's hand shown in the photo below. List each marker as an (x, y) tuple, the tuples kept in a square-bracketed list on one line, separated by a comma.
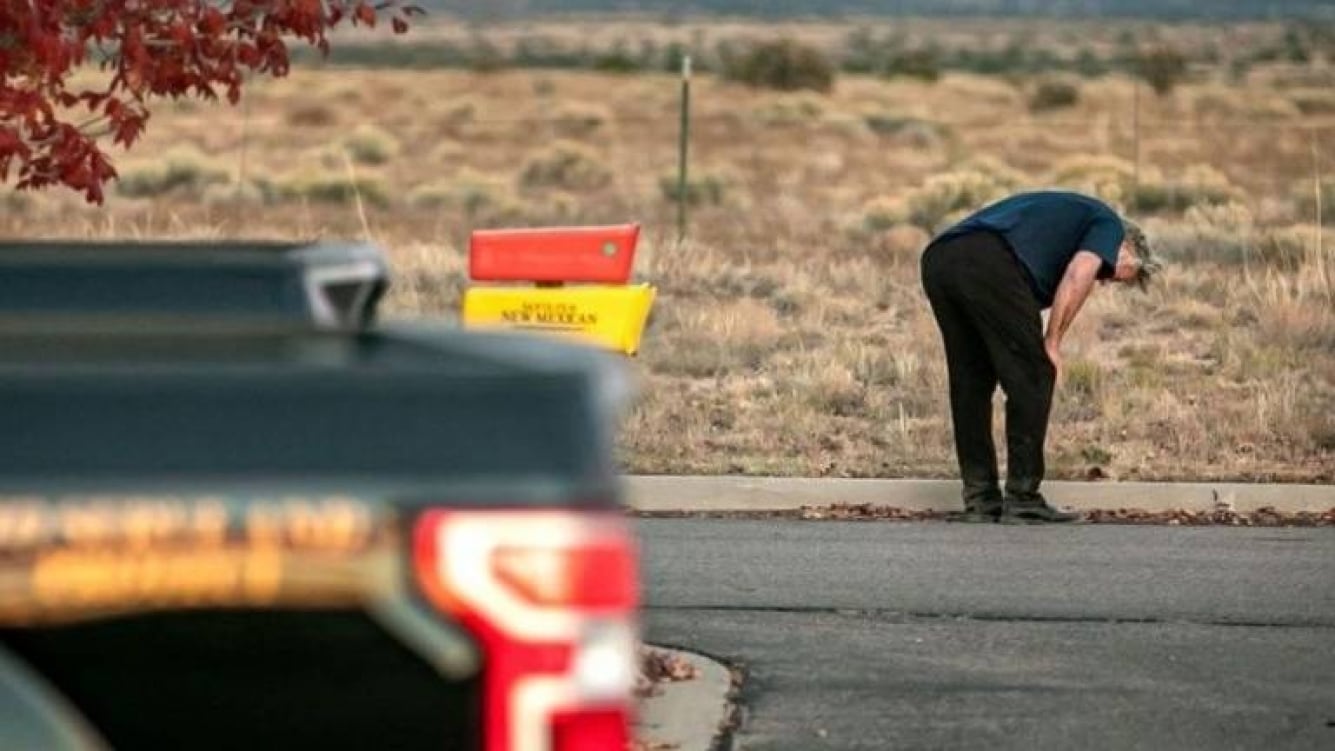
[(1071, 293), (1055, 356)]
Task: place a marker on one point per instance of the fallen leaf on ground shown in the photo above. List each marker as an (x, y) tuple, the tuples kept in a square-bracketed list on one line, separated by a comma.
[(1223, 514), (657, 666)]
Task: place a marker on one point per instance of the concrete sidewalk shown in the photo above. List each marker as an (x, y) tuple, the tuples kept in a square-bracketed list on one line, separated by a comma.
[(740, 493), (686, 715)]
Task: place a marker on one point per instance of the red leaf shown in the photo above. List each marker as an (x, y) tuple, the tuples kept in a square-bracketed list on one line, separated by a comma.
[(213, 22)]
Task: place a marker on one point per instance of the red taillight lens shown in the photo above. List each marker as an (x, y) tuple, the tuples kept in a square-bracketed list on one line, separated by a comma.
[(600, 575), (551, 597), (597, 730)]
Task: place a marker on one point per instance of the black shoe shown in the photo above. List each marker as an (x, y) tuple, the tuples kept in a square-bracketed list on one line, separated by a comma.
[(980, 507), (976, 515), (1034, 509)]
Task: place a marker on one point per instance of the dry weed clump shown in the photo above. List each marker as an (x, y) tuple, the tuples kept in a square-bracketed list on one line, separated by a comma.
[(1219, 103), (183, 169), (337, 188), (1229, 234), (884, 212), (315, 114), (429, 279), (1302, 322), (456, 117), (1054, 93), (371, 145), (566, 165), (1313, 101), (900, 246), (446, 153), (580, 119), (781, 110), (473, 193), (907, 131), (835, 391), (704, 188), (1103, 175), (1305, 200), (946, 197), (717, 340), (1197, 185)]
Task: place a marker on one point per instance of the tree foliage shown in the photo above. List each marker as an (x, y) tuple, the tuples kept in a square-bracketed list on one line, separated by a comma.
[(50, 124)]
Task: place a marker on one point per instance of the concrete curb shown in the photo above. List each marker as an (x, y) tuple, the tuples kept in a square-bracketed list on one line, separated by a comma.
[(738, 493), (686, 715)]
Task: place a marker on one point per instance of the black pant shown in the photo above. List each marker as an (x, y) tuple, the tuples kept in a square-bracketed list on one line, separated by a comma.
[(993, 331)]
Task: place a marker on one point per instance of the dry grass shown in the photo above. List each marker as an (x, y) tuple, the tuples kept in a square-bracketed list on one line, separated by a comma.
[(791, 335)]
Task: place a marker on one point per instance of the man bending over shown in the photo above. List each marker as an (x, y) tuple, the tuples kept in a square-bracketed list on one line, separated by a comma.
[(988, 279)]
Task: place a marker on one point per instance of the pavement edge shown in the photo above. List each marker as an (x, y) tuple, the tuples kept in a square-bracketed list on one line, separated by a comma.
[(652, 493)]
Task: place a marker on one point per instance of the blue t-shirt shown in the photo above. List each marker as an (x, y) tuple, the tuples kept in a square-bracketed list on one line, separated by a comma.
[(1046, 229)]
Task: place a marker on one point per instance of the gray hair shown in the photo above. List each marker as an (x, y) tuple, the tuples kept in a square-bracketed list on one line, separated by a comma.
[(1149, 265)]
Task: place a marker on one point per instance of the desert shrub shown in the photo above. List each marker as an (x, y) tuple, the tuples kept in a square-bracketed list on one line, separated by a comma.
[(1285, 248), (1162, 66), (1314, 101), (790, 109), (1229, 234), (183, 169), (923, 64), (705, 189), (706, 341), (579, 119), (469, 191), (883, 212), (943, 197), (616, 60), (484, 56), (312, 115), (569, 166), (1223, 234), (1198, 185), (446, 153), (783, 64), (454, 117), (886, 124), (370, 145), (1304, 200), (834, 390), (1107, 177), (911, 131), (16, 201), (248, 193), (1219, 102), (1084, 380), (1054, 94), (335, 188), (900, 244)]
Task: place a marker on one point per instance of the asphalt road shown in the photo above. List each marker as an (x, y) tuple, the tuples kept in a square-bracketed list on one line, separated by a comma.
[(886, 636)]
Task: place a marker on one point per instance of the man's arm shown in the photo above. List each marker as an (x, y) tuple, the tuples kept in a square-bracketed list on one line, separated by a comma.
[(1071, 293)]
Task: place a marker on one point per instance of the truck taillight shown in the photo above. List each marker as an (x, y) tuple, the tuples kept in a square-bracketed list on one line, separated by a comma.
[(552, 597)]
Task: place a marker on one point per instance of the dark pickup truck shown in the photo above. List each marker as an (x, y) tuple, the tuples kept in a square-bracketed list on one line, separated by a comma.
[(238, 513)]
